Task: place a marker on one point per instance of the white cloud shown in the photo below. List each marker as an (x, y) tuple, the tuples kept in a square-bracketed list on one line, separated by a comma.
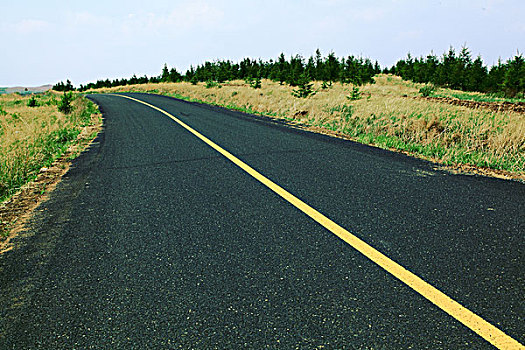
[(184, 17), (87, 19), (369, 14), (29, 26), (195, 14)]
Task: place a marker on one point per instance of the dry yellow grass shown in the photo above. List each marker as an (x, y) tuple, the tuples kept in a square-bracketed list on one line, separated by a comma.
[(388, 115), (31, 137)]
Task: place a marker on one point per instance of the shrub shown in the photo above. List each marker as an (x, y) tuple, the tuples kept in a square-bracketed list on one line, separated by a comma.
[(326, 85), (64, 105), (427, 90), (304, 88), (210, 84), (355, 94), (32, 102), (256, 83)]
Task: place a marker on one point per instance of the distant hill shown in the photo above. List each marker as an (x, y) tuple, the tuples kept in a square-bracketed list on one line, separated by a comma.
[(25, 90)]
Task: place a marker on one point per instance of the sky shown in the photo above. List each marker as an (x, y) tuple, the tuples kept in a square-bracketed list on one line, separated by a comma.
[(43, 42)]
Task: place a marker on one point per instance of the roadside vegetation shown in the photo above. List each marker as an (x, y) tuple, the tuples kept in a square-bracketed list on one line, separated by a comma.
[(451, 109), (295, 71), (35, 130), (504, 81)]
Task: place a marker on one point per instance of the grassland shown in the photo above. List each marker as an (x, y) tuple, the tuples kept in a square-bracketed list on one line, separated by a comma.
[(388, 114), (33, 137)]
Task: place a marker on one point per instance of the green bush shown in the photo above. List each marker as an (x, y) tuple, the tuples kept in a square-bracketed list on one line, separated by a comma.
[(326, 85), (64, 105), (256, 83), (304, 87), (355, 94), (427, 90), (210, 84), (32, 102)]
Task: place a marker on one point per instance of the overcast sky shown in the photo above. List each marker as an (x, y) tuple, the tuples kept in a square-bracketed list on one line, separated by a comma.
[(47, 41)]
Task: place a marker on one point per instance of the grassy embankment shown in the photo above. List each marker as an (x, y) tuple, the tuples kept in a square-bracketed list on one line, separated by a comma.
[(33, 137), (388, 114)]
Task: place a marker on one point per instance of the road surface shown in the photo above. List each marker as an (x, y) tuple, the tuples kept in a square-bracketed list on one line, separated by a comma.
[(155, 240)]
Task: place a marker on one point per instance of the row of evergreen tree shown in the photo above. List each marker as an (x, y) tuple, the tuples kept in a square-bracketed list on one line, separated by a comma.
[(61, 86), (293, 71), (461, 72), (355, 70), (455, 70)]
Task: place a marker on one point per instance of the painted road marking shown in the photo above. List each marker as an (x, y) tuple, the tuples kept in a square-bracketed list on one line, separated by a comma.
[(477, 324)]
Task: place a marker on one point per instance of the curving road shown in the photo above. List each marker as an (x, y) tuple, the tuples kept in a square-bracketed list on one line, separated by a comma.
[(155, 240)]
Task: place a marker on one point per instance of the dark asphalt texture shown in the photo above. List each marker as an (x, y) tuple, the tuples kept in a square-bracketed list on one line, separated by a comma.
[(155, 241)]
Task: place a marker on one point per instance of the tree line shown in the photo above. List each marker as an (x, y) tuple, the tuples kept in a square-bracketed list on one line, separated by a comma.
[(459, 71), (294, 71), (454, 70)]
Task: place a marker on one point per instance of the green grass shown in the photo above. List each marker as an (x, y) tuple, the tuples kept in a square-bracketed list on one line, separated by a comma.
[(478, 97), (41, 153), (37, 139)]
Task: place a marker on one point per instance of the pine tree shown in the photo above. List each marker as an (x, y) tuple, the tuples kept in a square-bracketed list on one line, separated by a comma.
[(332, 68), (64, 105), (165, 75), (174, 76), (319, 66), (304, 87), (514, 81), (476, 76), (295, 70)]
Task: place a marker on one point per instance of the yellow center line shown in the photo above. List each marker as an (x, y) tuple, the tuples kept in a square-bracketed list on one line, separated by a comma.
[(477, 324)]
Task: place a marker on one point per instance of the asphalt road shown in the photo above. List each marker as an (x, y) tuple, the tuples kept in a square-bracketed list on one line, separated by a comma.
[(155, 240)]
